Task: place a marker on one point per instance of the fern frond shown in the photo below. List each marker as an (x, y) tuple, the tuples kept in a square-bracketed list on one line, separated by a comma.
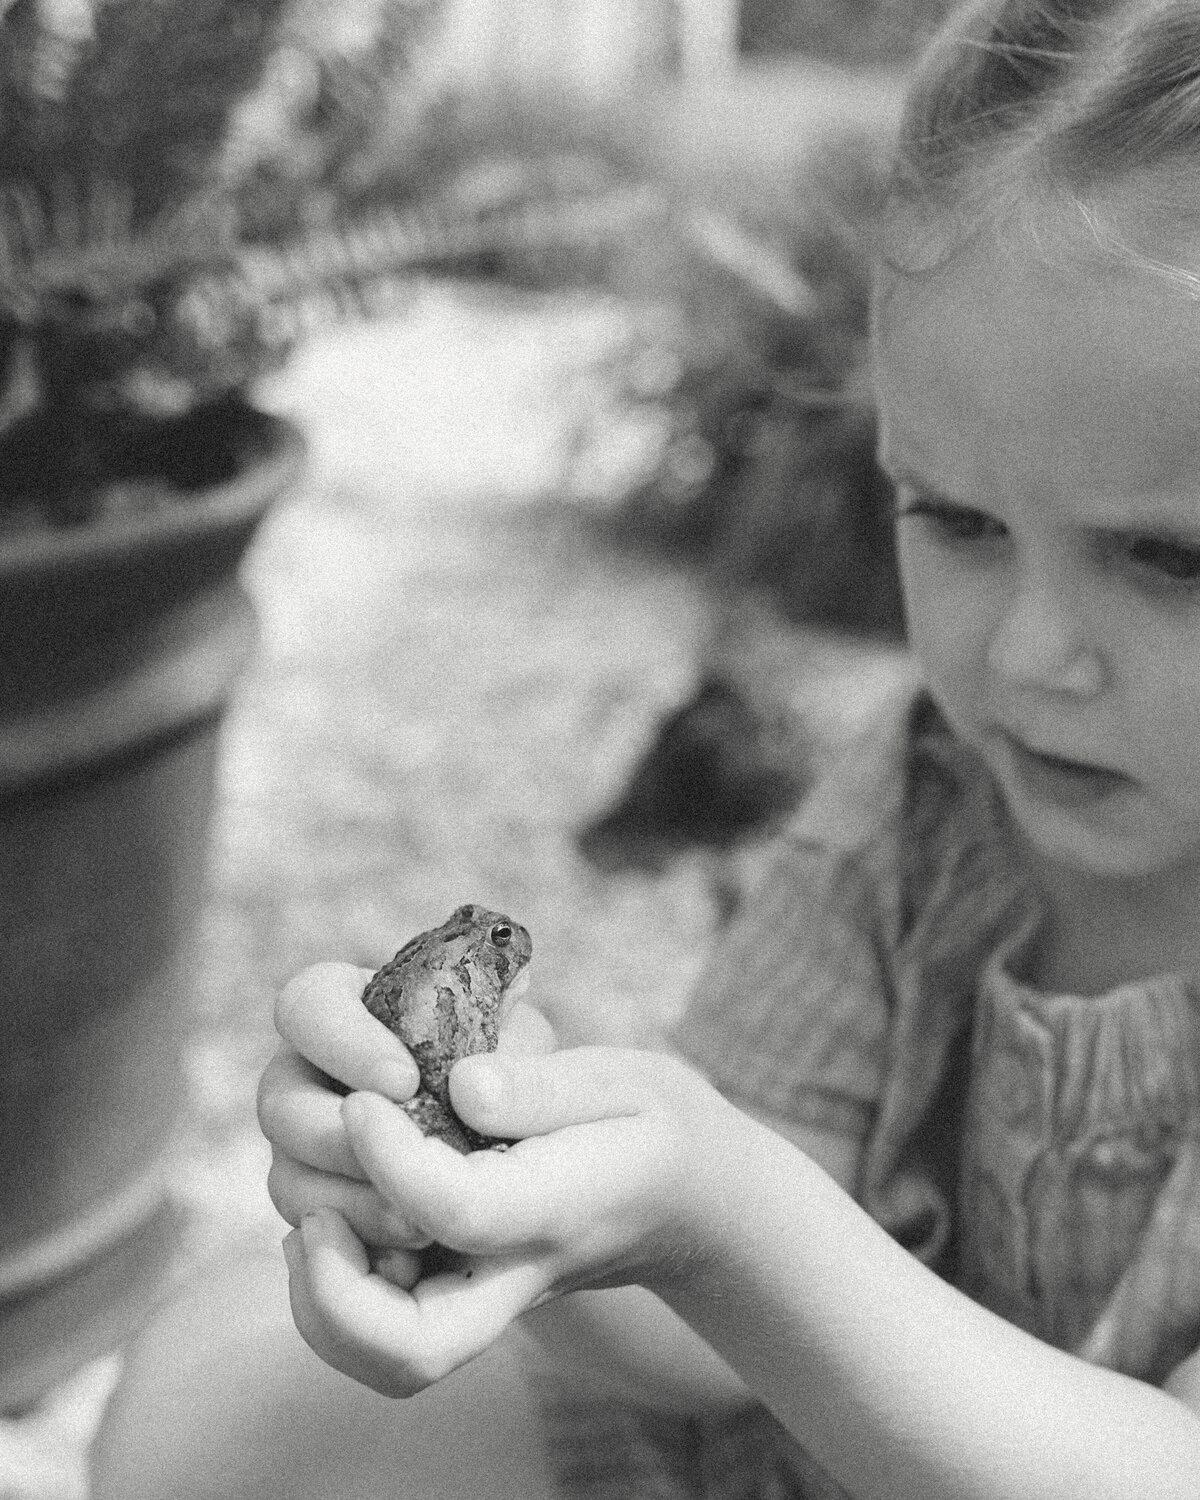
[(356, 270), (84, 238), (139, 90)]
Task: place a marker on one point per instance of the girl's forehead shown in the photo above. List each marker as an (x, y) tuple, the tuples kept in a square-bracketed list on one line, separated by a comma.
[(1087, 369)]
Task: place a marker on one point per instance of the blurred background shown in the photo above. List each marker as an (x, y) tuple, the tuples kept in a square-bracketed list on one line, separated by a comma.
[(583, 574)]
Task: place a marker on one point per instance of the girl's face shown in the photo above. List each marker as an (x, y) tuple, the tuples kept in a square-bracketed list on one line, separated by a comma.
[(1043, 427)]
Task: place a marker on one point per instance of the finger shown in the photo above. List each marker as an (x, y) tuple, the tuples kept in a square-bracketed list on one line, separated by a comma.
[(296, 1190), (320, 1012), (403, 1341), (486, 1203), (401, 1267), (313, 1327), (518, 1096), (581, 1195), (526, 1030), (420, 1175), (300, 1114)]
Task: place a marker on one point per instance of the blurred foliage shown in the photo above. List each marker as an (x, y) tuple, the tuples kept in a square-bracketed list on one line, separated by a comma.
[(113, 121), (741, 383), (346, 117), (135, 92), (730, 421), (187, 187)]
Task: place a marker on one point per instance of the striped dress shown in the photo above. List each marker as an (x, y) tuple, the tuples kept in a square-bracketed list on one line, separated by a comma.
[(1041, 1151)]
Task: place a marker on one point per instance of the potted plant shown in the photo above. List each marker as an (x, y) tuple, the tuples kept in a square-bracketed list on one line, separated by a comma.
[(186, 188), (140, 296)]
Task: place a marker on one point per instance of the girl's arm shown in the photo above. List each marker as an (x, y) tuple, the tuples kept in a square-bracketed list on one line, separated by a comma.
[(631, 1169), (621, 1344), (899, 1384), (627, 1344)]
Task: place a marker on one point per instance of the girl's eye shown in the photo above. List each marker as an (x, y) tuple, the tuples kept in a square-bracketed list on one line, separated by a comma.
[(952, 523), (1175, 561)]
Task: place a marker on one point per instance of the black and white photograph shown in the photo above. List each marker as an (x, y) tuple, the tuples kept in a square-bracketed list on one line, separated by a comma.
[(599, 750)]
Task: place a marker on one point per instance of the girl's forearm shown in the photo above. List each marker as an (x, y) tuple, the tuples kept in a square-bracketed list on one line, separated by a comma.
[(625, 1344), (900, 1385)]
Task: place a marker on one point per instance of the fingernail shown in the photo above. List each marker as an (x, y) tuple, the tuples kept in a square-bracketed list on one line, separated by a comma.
[(395, 1078)]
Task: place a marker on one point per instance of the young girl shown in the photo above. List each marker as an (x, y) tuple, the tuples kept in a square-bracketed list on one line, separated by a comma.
[(926, 1221)]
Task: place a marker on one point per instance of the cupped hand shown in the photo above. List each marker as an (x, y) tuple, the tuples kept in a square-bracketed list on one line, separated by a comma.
[(607, 1185), (330, 1045)]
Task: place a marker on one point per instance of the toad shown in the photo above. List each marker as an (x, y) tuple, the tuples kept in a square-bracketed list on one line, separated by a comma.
[(444, 995)]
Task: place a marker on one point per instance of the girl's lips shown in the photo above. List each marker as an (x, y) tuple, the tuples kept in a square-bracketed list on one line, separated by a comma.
[(1067, 783)]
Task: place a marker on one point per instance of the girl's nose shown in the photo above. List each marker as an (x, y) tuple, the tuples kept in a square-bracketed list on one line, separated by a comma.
[(1038, 646)]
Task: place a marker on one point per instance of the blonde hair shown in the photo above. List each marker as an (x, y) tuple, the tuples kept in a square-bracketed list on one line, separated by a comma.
[(1066, 100)]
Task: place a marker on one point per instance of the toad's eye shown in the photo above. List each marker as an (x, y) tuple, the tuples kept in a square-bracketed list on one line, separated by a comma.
[(500, 935)]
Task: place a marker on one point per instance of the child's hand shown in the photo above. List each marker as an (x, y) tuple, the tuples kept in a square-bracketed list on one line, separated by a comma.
[(330, 1039), (601, 1190)]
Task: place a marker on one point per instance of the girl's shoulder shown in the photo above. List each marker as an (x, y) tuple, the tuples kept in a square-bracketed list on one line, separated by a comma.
[(851, 928)]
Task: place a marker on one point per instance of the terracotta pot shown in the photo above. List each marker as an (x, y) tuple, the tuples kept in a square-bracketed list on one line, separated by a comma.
[(119, 643)]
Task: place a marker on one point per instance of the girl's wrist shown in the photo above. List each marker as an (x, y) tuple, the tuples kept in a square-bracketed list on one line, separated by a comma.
[(713, 1197), (750, 1196)]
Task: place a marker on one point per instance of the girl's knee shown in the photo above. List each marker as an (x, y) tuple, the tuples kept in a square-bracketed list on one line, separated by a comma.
[(221, 1398)]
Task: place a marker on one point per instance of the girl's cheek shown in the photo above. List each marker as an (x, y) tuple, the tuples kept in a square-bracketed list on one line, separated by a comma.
[(933, 603), (949, 632)]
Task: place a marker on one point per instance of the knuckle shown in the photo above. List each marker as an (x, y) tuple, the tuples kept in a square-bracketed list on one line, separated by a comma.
[(381, 1224), (460, 1223), (280, 1190), (474, 1105), (402, 1385), (427, 1364), (676, 1076), (556, 1096), (288, 1002), (288, 1005), (526, 1030), (310, 1328), (266, 1105), (455, 1224), (395, 1229), (297, 998)]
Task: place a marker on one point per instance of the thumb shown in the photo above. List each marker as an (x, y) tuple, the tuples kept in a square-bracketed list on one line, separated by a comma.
[(526, 1029), (519, 1095)]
